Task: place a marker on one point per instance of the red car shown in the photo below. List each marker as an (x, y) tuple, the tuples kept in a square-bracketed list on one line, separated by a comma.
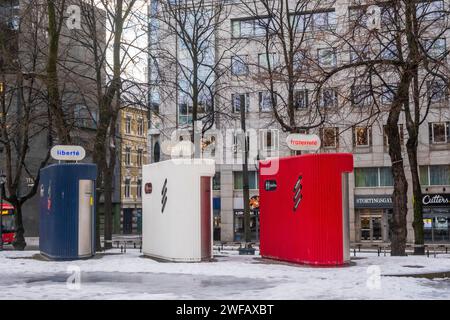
[(7, 212)]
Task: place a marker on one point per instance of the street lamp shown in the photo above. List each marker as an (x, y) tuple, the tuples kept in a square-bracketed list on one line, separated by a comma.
[(2, 183)]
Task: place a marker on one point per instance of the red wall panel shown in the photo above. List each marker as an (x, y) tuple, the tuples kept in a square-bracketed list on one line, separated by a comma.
[(312, 232)]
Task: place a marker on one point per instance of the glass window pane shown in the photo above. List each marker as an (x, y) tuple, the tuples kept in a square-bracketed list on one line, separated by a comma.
[(366, 177), (236, 26), (386, 178), (362, 136), (238, 182), (329, 137), (252, 183), (439, 133), (376, 228), (301, 99), (247, 28), (439, 175), (327, 57), (423, 171)]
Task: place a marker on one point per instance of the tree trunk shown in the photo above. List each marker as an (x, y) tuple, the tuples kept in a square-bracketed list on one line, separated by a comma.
[(399, 196), (52, 75), (19, 239), (108, 182), (411, 146), (245, 186)]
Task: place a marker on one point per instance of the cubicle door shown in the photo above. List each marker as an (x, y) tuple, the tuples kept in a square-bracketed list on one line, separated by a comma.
[(85, 217), (206, 233)]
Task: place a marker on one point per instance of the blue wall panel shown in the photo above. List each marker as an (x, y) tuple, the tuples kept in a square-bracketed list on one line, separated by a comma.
[(59, 221)]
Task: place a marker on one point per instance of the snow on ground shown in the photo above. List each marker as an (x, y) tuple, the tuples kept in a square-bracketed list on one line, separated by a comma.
[(130, 276)]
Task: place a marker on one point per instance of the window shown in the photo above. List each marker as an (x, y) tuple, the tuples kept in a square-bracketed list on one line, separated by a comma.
[(127, 156), (438, 175), (140, 157), (238, 142), (139, 188), (315, 21), (389, 50), (388, 94), (327, 57), (239, 65), (83, 117), (240, 100), (437, 90), (299, 60), (301, 99), (439, 132), (128, 124), (267, 60), (140, 127), (330, 137), (361, 96), (216, 181), (362, 136), (357, 13), (155, 100), (265, 101), (249, 27), (436, 48), (14, 23), (359, 53), (385, 135), (127, 191), (387, 17), (252, 180), (373, 177), (184, 113), (156, 152), (430, 10), (329, 98), (269, 139)]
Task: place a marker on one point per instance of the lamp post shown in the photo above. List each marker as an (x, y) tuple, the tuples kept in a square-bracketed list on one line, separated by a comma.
[(2, 183)]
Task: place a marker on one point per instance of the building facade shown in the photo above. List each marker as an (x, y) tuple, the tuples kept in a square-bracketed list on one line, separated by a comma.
[(23, 25), (133, 155), (345, 130)]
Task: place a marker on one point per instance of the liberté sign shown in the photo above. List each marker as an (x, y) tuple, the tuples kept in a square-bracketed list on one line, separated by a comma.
[(68, 153), (303, 142)]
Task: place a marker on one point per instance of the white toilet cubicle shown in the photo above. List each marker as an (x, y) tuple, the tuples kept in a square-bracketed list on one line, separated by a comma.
[(177, 209)]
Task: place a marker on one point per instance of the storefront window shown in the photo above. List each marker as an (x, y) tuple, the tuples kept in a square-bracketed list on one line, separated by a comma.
[(239, 225), (371, 228), (436, 228)]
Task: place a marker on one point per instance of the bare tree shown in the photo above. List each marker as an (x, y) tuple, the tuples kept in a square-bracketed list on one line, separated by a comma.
[(24, 115), (283, 31), (386, 44), (191, 43), (114, 87)]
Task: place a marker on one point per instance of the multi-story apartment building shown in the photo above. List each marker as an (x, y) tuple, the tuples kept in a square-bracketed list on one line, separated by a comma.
[(133, 154), (23, 27), (240, 51)]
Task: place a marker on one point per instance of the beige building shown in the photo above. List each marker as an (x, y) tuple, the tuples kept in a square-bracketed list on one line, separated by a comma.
[(133, 154), (345, 129)]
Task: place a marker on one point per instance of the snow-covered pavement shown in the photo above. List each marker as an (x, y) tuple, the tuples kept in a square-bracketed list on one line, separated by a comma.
[(130, 276)]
